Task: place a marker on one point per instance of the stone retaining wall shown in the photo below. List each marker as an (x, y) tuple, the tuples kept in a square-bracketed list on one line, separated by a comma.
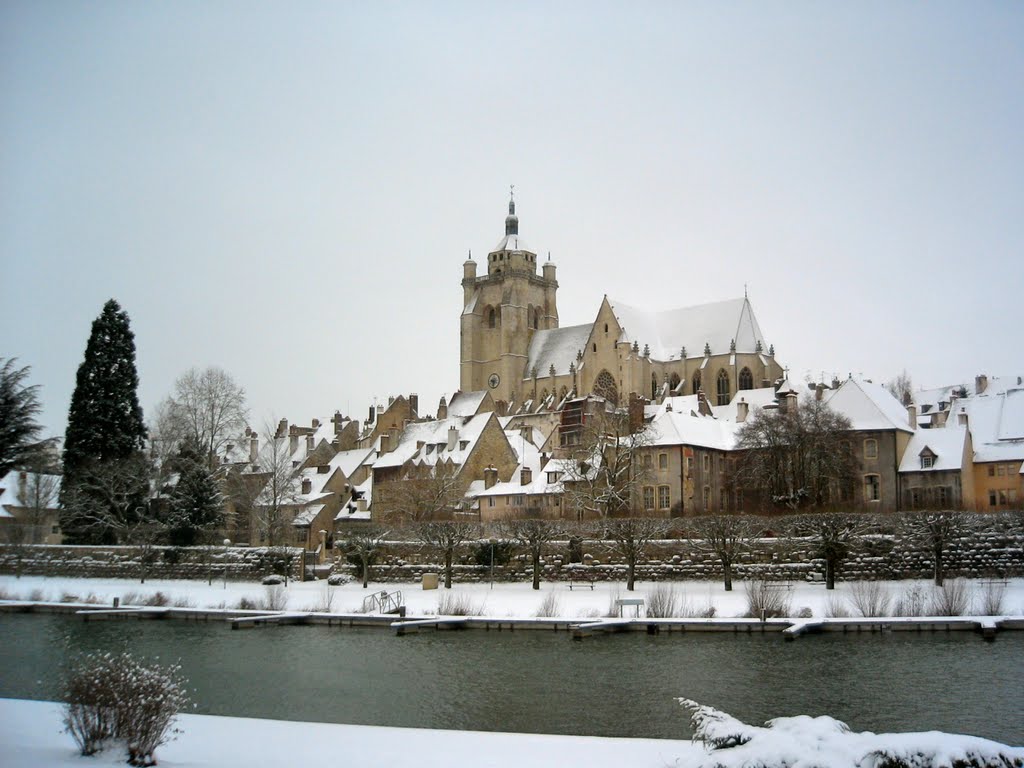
[(200, 563)]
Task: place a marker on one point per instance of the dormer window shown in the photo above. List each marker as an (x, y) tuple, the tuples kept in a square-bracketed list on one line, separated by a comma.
[(927, 461), (430, 449), (463, 444), (553, 477)]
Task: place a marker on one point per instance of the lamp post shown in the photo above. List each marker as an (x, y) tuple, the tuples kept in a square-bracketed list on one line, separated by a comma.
[(492, 542)]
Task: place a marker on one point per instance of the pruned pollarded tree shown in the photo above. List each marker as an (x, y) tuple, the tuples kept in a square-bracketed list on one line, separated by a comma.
[(797, 457), (207, 407), (629, 537), (444, 537), (532, 534), (726, 537), (938, 532), (363, 544), (605, 472), (277, 489), (834, 534)]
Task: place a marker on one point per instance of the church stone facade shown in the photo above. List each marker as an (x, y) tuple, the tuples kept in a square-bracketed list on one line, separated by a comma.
[(512, 344)]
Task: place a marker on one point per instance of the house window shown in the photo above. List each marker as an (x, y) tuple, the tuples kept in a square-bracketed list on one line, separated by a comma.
[(553, 477), (927, 461), (662, 461), (1000, 470), (490, 501), (463, 444), (943, 496), (647, 461), (55, 529), (517, 501), (648, 497), (689, 465), (707, 464), (870, 448), (915, 498), (991, 498), (991, 471), (664, 497), (872, 488), (707, 498)]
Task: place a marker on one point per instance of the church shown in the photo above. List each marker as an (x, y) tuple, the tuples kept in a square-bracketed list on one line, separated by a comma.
[(513, 346)]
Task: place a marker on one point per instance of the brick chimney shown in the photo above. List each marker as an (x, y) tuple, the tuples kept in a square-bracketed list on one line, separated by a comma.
[(316, 424), (702, 404), (490, 476), (961, 418), (385, 443), (453, 437), (309, 443), (980, 384), (819, 391), (792, 399), (414, 404), (307, 485), (742, 411), (912, 415), (636, 412), (525, 476), (442, 409), (282, 428), (254, 447)]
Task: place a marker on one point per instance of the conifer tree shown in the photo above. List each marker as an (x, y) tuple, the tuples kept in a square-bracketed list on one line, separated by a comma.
[(197, 505), (19, 406), (105, 426)]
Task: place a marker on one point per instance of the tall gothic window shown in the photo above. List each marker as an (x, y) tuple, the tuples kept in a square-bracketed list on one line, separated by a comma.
[(696, 381), (746, 379), (492, 318), (722, 386), (604, 386), (654, 386), (673, 382)]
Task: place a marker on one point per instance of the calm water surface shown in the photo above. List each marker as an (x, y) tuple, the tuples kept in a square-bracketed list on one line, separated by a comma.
[(617, 685)]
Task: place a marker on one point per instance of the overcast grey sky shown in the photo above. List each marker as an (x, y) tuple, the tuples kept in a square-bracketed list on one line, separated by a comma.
[(288, 190)]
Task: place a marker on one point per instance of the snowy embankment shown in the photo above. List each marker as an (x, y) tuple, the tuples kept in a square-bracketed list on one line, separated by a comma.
[(693, 598), (30, 736)]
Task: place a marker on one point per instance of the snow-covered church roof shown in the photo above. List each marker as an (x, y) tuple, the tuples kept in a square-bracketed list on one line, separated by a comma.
[(666, 332), (557, 347)]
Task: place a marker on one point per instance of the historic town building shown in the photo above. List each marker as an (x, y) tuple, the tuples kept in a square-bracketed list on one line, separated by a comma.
[(512, 344)]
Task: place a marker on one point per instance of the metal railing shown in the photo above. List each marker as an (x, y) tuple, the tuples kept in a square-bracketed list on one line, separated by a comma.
[(383, 602)]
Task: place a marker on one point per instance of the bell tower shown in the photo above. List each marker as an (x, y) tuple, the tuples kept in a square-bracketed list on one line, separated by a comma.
[(501, 311)]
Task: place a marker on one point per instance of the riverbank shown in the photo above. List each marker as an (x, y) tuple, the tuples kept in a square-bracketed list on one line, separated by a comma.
[(518, 600), (31, 735)]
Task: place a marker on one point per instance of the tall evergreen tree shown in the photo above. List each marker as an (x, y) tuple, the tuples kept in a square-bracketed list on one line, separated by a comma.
[(105, 425), (19, 406), (197, 505)]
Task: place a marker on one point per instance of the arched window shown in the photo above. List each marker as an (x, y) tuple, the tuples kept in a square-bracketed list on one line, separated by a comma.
[(492, 318), (604, 386), (673, 381), (696, 382), (654, 386), (723, 387), (543, 396), (746, 379), (536, 318)]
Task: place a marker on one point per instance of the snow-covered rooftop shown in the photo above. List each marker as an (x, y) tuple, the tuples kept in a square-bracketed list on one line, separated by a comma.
[(557, 347), (512, 243), (868, 406), (946, 444), (48, 487), (666, 332), (676, 428)]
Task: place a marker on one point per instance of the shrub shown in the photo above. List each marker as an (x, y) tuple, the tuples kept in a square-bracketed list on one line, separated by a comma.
[(157, 600), (663, 602), (990, 602), (337, 579), (805, 613), (183, 602), (765, 601), (245, 604), (455, 604), (502, 553), (131, 598), (276, 599), (953, 598), (836, 608), (119, 697), (913, 601), (172, 555), (870, 598), (274, 578), (549, 606), (36, 596), (325, 602)]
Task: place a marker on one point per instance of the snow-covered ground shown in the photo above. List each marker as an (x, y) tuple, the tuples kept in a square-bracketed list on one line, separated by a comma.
[(31, 735), (501, 600)]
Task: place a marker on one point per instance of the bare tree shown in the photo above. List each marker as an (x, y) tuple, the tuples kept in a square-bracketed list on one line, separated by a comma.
[(533, 535), (725, 537), (445, 536), (276, 479), (834, 534), (901, 387), (423, 494), (605, 472), (363, 544), (629, 536), (112, 498), (940, 533), (796, 457), (207, 406)]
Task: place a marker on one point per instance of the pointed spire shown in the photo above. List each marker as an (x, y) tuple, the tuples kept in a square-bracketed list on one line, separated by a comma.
[(511, 221)]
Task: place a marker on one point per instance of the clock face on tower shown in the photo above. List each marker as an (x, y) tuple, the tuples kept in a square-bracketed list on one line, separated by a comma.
[(494, 381)]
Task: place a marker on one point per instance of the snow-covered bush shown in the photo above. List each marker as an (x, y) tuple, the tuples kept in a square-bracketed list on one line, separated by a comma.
[(819, 741), (870, 598), (549, 606), (836, 608), (765, 600), (913, 601), (663, 602), (990, 601), (338, 579), (953, 598), (274, 578), (110, 696)]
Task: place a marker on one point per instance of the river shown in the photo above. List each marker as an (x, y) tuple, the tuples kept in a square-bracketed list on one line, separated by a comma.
[(616, 685)]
